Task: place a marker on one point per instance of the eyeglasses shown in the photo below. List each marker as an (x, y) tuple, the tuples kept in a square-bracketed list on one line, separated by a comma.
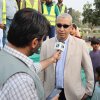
[(64, 25)]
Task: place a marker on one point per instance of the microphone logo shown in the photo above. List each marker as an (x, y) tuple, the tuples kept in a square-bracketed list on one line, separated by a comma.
[(59, 46)]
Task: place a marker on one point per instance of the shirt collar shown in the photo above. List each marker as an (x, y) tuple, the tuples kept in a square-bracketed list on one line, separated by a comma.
[(65, 40)]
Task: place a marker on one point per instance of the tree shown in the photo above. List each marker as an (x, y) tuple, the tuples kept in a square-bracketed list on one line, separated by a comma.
[(76, 16), (88, 15), (97, 4), (70, 11), (97, 12), (91, 16)]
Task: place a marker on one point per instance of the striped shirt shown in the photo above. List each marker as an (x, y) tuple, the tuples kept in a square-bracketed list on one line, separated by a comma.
[(20, 86)]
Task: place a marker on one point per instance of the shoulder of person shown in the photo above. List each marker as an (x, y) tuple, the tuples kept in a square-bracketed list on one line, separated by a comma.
[(49, 41), (78, 40)]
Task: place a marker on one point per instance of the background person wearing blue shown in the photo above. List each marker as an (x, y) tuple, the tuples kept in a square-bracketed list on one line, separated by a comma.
[(95, 53)]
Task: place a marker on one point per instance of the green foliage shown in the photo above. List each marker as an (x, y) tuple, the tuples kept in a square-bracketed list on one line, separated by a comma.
[(70, 11), (97, 4), (87, 13), (76, 16), (91, 16)]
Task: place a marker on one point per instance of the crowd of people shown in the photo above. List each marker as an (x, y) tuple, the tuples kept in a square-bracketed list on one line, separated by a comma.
[(25, 25), (8, 9)]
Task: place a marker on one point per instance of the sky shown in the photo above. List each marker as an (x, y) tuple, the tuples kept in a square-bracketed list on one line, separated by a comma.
[(76, 4)]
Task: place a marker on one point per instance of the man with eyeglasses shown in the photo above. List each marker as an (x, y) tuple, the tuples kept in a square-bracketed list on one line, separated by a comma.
[(66, 73)]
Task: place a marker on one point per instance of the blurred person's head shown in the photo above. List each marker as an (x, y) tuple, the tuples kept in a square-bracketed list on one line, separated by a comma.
[(63, 25), (73, 30), (95, 43), (60, 1), (27, 30)]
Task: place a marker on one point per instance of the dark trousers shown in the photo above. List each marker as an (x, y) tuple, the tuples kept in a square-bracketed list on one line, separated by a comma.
[(62, 95), (51, 34)]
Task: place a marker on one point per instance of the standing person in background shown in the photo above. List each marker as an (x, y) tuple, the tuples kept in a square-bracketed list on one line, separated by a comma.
[(8, 8), (18, 73), (96, 95), (62, 7), (50, 11), (95, 53), (66, 73), (75, 31), (34, 4)]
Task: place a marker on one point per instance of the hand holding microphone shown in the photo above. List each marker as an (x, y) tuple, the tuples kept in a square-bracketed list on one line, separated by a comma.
[(59, 46)]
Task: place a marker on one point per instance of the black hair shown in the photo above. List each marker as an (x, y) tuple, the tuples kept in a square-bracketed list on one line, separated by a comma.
[(27, 24), (95, 41), (74, 25)]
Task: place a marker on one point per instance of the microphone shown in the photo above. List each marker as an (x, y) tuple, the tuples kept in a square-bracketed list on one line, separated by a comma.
[(59, 46)]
